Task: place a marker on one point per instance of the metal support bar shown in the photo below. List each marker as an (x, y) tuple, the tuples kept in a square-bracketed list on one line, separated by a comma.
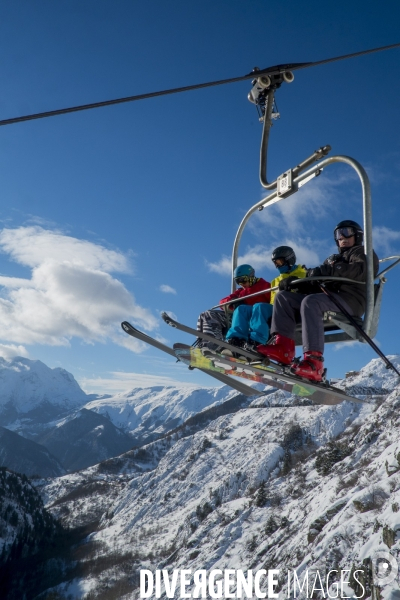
[(269, 103), (377, 308), (380, 275), (317, 155)]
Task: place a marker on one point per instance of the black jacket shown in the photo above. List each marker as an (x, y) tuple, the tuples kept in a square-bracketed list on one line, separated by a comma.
[(352, 263)]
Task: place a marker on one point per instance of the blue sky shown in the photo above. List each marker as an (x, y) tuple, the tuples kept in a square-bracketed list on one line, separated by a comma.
[(119, 213)]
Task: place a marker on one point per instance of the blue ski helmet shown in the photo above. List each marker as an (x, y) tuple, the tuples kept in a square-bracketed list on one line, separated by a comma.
[(243, 271)]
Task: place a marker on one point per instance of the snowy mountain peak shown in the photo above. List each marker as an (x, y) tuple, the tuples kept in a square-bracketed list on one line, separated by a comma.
[(144, 411), (375, 377), (27, 384)]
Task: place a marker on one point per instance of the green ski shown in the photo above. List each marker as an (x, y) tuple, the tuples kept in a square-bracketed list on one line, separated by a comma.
[(272, 374)]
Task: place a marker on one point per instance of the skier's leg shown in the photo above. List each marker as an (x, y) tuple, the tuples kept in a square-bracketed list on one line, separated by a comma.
[(259, 322), (285, 315), (214, 323), (240, 323), (312, 312)]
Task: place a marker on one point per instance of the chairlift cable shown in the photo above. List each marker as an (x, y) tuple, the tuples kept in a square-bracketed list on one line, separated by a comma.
[(255, 73)]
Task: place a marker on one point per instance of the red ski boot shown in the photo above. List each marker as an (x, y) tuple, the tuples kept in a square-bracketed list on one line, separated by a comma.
[(281, 349), (311, 367)]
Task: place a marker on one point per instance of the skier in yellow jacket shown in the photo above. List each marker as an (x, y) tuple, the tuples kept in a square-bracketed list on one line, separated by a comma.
[(284, 259)]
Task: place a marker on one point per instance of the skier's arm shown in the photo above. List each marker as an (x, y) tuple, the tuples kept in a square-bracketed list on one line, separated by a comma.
[(355, 269), (233, 296)]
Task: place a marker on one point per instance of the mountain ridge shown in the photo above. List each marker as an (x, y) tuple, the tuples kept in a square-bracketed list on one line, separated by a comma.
[(277, 487)]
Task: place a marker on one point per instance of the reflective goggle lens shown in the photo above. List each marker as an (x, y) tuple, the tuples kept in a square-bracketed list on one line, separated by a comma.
[(243, 279), (345, 232)]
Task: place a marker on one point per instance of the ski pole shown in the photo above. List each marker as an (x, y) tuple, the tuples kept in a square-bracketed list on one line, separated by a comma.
[(389, 365), (272, 289)]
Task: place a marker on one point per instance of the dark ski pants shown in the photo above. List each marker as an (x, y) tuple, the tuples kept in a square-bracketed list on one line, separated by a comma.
[(290, 308)]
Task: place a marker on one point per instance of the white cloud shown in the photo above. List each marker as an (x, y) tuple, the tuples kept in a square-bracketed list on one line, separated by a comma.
[(224, 265), (348, 344), (386, 241), (312, 203), (297, 222), (10, 351), (167, 289), (124, 382), (33, 246), (71, 291), (259, 257)]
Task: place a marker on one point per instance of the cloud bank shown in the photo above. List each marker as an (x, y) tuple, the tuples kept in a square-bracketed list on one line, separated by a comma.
[(259, 257), (386, 241), (124, 382), (71, 292)]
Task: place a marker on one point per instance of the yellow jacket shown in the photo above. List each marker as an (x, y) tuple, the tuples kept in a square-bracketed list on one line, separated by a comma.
[(298, 271)]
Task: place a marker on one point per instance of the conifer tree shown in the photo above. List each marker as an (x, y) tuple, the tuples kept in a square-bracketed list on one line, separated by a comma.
[(261, 498)]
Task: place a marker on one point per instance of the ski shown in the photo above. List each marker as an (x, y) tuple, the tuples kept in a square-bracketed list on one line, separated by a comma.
[(272, 374), (225, 379), (204, 336)]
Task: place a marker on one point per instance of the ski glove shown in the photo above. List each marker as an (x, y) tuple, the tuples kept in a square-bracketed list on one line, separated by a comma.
[(322, 271), (285, 284), (316, 272), (333, 258)]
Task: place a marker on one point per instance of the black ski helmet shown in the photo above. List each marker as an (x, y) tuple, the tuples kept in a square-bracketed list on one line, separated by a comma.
[(285, 252), (358, 232)]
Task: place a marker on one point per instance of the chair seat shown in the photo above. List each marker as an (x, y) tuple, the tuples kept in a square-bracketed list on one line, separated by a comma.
[(335, 321)]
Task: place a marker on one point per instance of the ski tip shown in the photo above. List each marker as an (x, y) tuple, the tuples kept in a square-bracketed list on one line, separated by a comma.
[(168, 320), (179, 346), (126, 326)]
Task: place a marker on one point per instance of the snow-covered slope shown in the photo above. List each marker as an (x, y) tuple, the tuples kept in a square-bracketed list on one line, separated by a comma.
[(285, 487), (83, 439), (25, 456), (32, 394), (21, 513), (149, 412), (48, 406), (374, 378)]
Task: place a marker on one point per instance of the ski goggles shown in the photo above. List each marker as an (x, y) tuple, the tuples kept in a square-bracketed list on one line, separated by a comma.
[(242, 280), (278, 262), (345, 232)]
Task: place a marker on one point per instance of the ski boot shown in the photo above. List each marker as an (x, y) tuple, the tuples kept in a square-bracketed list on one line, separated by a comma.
[(238, 343), (311, 367), (251, 346), (209, 348), (280, 348)]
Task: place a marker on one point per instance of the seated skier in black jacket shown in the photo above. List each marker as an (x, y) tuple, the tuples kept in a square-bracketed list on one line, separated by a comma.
[(289, 307)]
